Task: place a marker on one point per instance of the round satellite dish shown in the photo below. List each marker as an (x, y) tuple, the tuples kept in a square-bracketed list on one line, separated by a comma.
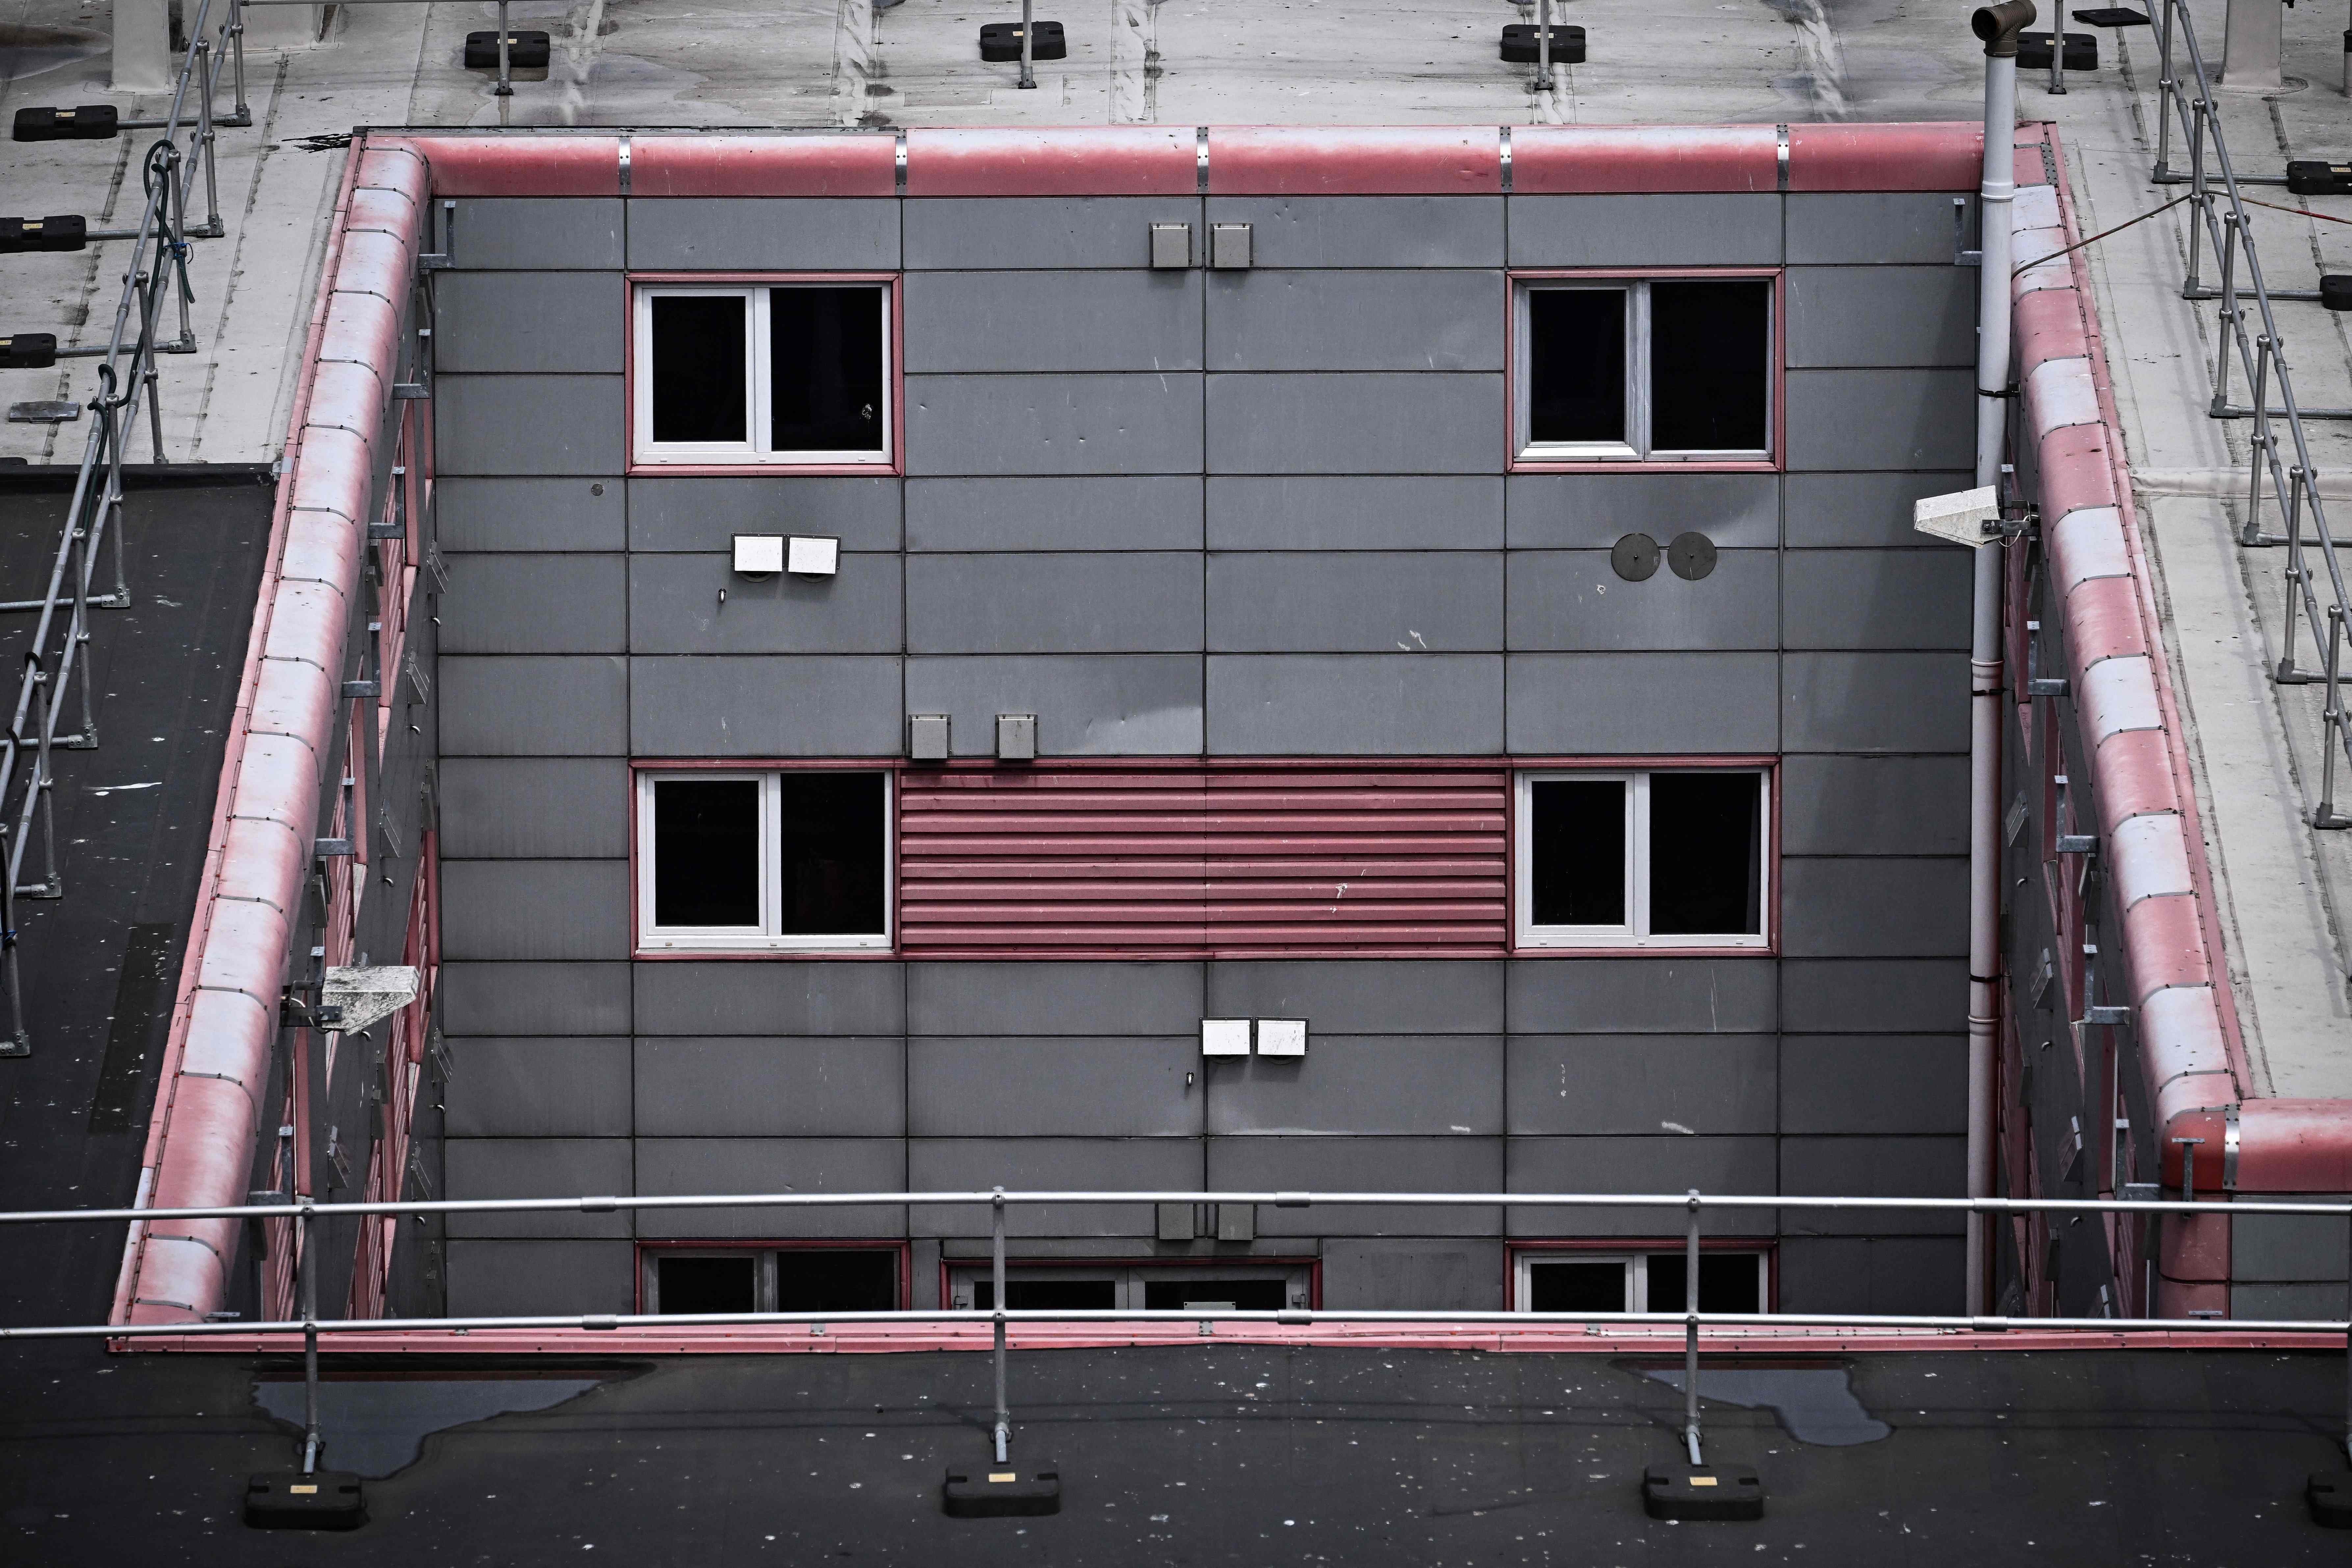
[(1635, 557)]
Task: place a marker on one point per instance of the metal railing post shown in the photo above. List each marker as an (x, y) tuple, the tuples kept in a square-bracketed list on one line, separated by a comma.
[(2167, 94), (1028, 53), (1543, 46), (2058, 51), (1690, 1332), (307, 1276), (505, 80), (2331, 722), (1003, 1427), (2227, 339), (2252, 533), (2201, 200)]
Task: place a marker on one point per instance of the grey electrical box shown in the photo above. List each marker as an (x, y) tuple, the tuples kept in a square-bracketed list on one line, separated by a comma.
[(1171, 245), (1016, 737), (1175, 1222), (1229, 245), (1236, 1222), (926, 737)]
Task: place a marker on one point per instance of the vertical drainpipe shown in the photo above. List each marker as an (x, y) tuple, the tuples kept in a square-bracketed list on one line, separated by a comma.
[(1997, 26)]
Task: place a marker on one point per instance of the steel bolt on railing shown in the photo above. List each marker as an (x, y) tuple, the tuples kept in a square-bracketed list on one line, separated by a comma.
[(2283, 472), (999, 1314)]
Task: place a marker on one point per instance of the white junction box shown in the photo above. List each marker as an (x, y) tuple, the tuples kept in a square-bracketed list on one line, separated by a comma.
[(813, 556), (1282, 1036), (759, 554), (1224, 1036)]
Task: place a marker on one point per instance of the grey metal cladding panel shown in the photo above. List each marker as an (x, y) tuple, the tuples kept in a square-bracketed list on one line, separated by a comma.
[(773, 1087), (675, 606), (678, 1166), (1439, 1085), (1826, 509), (2279, 1248), (704, 512), (1355, 423), (536, 1168), (1030, 999), (1643, 1085), (534, 707), (1873, 996), (1573, 599), (530, 1088), (1876, 598), (1668, 1162), (526, 425), (528, 1279), (1910, 1275), (1098, 601), (1362, 996), (1874, 1083), (1876, 701), (530, 910), (850, 997), (531, 514), (1071, 1164), (1056, 1085), (749, 706), (1368, 231), (1332, 601), (1267, 319), (1399, 704), (1913, 227), (1362, 1166), (1874, 906), (1343, 512), (1873, 1167), (2283, 1302), (1642, 996), (1685, 230), (953, 234), (535, 604), (1132, 319), (534, 998), (548, 809), (541, 232), (1073, 423), (541, 321), (1594, 511), (1701, 703), (1880, 418), (1411, 1274), (1117, 705), (1150, 512), (1874, 805), (768, 234), (1882, 315)]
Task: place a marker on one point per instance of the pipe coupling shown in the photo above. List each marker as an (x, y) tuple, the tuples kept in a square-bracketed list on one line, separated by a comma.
[(1998, 26)]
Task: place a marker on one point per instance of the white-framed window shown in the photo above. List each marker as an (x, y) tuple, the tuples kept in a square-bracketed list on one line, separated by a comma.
[(1651, 858), (1644, 369), (751, 859), (1572, 1280), (687, 1279), (1120, 1286), (786, 372)]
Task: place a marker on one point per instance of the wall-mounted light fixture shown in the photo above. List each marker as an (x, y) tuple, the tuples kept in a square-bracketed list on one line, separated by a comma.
[(759, 554), (813, 557)]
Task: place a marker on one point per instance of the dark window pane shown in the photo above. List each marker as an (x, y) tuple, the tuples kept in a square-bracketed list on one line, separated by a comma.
[(1706, 834), (1047, 1295), (1577, 854), (698, 375), (1710, 365), (706, 852), (1726, 1282), (1242, 1295), (824, 1280), (832, 850), (1576, 1286), (706, 1284), (1576, 364), (825, 369)]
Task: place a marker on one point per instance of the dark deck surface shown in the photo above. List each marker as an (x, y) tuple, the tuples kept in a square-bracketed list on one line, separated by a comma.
[(1215, 1455)]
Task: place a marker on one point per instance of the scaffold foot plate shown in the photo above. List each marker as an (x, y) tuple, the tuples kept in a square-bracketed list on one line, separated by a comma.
[(1702, 1492), (289, 1499), (1002, 1492), (2329, 1495)]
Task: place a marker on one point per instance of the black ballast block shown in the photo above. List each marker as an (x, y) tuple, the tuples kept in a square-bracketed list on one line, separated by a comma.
[(84, 122), (1002, 1493), (2328, 1494), (2082, 51), (1001, 41), (1702, 1492), (28, 350), (53, 233), (525, 51), (2112, 17), (1519, 42), (289, 1499), (2310, 177), (2336, 290)]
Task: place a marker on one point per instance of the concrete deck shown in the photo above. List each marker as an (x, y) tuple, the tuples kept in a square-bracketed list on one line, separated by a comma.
[(809, 62)]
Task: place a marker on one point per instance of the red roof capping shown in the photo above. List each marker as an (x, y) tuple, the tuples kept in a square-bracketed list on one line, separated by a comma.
[(1112, 161), (517, 164), (1934, 155), (1576, 159), (1355, 161), (846, 163)]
